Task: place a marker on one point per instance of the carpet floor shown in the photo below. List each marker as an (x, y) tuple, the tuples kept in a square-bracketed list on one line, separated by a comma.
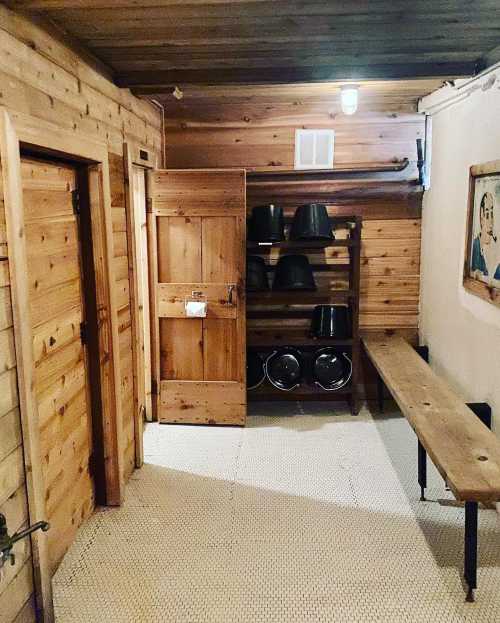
[(306, 515)]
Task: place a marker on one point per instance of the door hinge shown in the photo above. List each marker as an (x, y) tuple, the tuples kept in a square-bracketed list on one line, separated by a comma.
[(75, 199), (83, 332)]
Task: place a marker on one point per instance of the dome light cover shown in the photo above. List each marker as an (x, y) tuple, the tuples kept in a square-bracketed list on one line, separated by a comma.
[(349, 99)]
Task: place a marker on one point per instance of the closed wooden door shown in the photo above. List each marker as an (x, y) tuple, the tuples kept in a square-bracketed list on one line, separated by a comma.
[(57, 312), (197, 226)]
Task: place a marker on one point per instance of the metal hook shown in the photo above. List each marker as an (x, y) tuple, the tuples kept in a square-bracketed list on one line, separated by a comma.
[(7, 542)]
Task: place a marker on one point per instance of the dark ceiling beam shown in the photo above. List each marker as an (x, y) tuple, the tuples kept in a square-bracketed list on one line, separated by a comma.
[(206, 8), (163, 81), (181, 63)]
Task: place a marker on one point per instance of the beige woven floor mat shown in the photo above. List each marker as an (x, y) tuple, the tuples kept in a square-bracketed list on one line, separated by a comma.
[(303, 516)]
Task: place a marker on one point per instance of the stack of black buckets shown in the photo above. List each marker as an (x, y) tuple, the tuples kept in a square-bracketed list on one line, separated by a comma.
[(288, 368)]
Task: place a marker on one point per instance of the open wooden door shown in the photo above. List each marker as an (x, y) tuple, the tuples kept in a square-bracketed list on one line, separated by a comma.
[(197, 252)]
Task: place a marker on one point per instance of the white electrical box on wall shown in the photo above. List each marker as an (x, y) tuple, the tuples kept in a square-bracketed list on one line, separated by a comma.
[(314, 149)]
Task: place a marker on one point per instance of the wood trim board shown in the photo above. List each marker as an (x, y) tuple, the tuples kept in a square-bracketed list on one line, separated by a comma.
[(18, 266), (136, 155)]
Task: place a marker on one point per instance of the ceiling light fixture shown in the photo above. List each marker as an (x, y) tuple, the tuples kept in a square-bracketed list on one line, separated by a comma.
[(349, 98)]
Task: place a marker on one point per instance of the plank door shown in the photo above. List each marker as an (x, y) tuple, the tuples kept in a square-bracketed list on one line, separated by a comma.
[(61, 385), (198, 225)]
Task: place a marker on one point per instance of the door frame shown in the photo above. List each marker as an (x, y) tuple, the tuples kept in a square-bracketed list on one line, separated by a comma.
[(18, 132), (136, 156)]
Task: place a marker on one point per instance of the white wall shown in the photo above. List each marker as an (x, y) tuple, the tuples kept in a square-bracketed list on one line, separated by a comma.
[(461, 330)]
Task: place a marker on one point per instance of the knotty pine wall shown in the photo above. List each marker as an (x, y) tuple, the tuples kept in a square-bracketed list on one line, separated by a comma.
[(41, 76), (254, 127)]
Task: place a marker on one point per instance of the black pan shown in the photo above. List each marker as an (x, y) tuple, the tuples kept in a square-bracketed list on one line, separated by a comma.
[(284, 369), (332, 369), (267, 224), (255, 369), (331, 321), (293, 272), (311, 222), (256, 274)]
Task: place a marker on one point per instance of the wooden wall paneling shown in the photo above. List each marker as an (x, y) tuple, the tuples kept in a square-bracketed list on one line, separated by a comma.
[(254, 126), (43, 78), (11, 601), (51, 81), (14, 218)]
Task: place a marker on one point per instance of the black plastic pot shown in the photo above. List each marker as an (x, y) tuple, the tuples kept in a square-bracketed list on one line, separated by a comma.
[(256, 274), (285, 369), (331, 321), (332, 369), (267, 224), (255, 369), (311, 222), (293, 272)]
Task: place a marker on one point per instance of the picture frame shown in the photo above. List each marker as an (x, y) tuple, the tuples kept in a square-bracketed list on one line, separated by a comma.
[(481, 275)]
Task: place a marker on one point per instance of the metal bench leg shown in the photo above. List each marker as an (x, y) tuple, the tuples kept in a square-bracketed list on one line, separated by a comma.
[(422, 470), (470, 548), (380, 393)]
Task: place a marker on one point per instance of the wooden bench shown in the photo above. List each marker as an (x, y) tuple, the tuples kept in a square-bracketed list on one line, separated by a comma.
[(465, 452)]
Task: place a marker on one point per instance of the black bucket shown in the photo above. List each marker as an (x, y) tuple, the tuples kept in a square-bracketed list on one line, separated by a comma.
[(293, 272), (311, 222), (331, 321), (285, 369), (267, 224), (256, 274), (332, 369), (255, 369)]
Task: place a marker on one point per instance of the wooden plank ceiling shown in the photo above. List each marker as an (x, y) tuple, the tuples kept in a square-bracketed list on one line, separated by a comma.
[(152, 45)]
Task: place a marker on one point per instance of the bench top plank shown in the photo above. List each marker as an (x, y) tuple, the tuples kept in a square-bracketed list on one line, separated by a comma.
[(464, 450)]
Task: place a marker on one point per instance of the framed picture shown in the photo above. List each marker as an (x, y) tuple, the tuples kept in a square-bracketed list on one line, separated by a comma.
[(482, 250)]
